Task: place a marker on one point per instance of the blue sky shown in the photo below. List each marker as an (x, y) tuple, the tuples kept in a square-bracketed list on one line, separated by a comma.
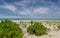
[(46, 9)]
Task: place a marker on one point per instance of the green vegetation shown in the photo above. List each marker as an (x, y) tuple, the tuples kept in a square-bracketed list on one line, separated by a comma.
[(58, 27), (31, 22), (37, 29), (9, 29)]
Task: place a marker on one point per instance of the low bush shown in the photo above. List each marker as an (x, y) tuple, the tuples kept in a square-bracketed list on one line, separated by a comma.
[(9, 29), (37, 29), (58, 27)]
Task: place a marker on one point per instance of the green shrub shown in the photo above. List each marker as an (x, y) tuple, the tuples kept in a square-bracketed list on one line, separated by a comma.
[(31, 22), (58, 27), (37, 29), (9, 29)]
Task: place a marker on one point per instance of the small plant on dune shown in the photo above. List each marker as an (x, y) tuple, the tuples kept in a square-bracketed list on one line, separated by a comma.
[(31, 22), (58, 27), (37, 29), (9, 29)]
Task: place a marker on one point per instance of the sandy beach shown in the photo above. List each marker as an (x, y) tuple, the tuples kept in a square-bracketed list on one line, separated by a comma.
[(53, 31)]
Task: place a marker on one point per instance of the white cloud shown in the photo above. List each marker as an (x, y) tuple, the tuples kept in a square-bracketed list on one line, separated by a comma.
[(4, 16), (34, 11), (23, 3), (25, 11), (42, 10), (10, 7)]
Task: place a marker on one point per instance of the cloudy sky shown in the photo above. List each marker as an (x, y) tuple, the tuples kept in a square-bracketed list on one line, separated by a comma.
[(46, 9)]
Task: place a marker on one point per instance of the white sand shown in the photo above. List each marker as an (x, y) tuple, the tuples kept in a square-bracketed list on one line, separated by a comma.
[(52, 33)]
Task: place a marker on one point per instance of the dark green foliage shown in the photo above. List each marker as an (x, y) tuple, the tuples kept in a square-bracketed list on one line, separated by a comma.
[(58, 27), (9, 29), (37, 29), (31, 22)]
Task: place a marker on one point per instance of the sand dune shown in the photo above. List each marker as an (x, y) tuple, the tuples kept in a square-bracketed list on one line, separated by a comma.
[(53, 31)]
